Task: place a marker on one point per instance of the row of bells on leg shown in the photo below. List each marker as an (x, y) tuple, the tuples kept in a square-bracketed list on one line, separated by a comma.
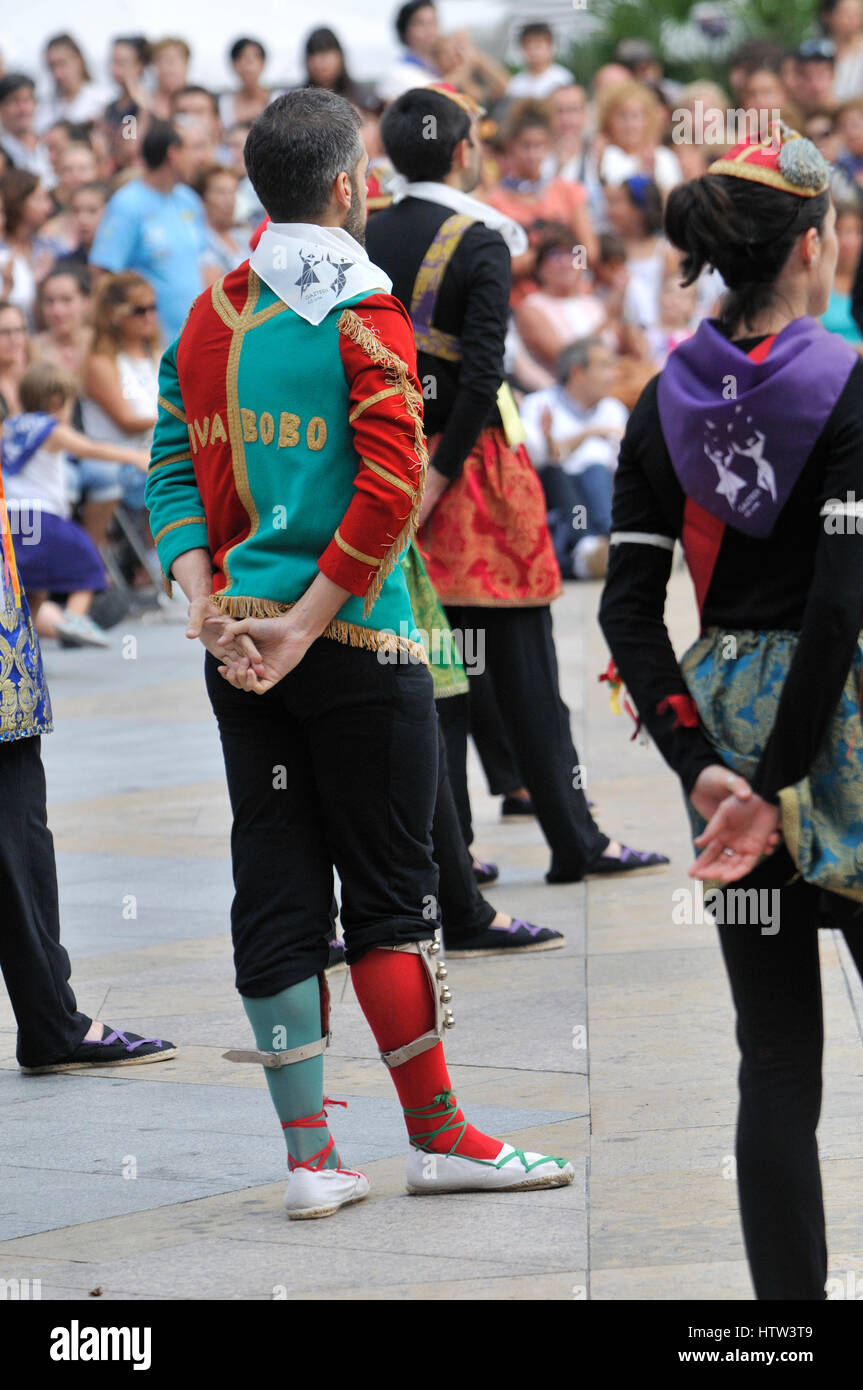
[(446, 992)]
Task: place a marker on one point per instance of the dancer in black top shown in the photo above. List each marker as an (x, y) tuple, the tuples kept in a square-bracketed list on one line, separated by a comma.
[(749, 448), (483, 535)]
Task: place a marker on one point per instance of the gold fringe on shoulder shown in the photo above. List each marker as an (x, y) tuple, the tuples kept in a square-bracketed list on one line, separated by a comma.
[(397, 374), (349, 634)]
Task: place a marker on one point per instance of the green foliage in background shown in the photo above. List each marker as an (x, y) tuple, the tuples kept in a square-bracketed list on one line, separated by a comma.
[(686, 51)]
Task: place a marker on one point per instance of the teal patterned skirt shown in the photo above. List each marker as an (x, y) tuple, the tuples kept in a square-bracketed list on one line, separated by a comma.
[(736, 679)]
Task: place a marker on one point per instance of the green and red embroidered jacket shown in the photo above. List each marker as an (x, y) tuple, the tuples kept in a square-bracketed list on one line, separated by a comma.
[(285, 448)]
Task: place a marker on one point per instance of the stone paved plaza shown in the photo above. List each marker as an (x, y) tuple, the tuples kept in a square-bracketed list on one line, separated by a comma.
[(166, 1181)]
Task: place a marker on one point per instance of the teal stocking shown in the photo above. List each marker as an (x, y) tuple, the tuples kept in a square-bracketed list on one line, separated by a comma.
[(281, 1022)]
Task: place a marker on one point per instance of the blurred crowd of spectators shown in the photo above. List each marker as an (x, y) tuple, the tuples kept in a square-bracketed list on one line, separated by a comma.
[(117, 206)]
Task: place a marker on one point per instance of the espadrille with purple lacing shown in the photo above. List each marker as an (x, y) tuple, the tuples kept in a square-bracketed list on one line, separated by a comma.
[(519, 937), (114, 1049)]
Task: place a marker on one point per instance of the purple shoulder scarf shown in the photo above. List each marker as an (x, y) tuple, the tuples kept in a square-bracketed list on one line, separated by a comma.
[(739, 432)]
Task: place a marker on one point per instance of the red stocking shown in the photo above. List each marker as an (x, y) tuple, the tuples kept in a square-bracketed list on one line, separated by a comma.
[(394, 992)]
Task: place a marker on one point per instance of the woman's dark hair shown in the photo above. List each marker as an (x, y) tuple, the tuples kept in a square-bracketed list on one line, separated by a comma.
[(646, 197), (201, 182), (405, 131), (15, 188), (555, 238), (525, 115), (78, 134), (239, 44), (744, 229), (406, 14), (325, 41), (66, 41), (139, 46), (79, 273)]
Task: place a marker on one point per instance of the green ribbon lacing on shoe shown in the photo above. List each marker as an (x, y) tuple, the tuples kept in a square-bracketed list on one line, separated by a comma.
[(448, 1100)]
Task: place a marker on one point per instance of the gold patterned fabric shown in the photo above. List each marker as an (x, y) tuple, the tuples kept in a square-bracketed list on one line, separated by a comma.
[(737, 699), (428, 281), (25, 705)]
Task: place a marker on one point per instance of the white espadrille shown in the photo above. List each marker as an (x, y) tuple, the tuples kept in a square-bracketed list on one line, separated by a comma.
[(310, 1194), (512, 1171)]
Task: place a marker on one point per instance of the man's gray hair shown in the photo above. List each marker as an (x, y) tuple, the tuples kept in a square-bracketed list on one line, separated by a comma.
[(575, 354), (296, 149)]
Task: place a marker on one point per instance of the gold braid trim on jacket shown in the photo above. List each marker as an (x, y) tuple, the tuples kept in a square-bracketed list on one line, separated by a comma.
[(397, 374)]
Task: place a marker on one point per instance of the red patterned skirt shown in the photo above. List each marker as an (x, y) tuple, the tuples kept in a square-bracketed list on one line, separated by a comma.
[(487, 541)]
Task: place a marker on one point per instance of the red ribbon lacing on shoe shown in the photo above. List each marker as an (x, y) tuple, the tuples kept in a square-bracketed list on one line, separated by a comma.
[(318, 1121)]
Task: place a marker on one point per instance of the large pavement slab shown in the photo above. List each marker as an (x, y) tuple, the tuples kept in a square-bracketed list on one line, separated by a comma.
[(166, 1181)]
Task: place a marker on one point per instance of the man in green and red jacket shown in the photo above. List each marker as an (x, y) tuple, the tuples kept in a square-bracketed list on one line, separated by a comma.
[(286, 480)]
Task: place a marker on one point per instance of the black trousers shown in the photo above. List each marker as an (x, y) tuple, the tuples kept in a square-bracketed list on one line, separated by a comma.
[(35, 966), (464, 910), (488, 732), (776, 986), (336, 765), (521, 663)]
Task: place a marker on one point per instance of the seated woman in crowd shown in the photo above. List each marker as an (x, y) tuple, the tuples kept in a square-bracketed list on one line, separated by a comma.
[(633, 362), (248, 58), (572, 154), (86, 206), (699, 101), (227, 242), (76, 166), (76, 97), (27, 206), (561, 310), (170, 60), (467, 68), (574, 431), (326, 67), (14, 357), (129, 61), (534, 201), (119, 397), (630, 126), (678, 314), (635, 213), (54, 555), (248, 212), (63, 306), (763, 92)]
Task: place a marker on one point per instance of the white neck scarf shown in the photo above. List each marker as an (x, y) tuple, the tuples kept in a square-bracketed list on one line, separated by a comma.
[(514, 235), (313, 268)]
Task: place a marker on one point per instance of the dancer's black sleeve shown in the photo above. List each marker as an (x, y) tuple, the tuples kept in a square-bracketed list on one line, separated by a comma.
[(833, 614), (645, 524), (483, 333)]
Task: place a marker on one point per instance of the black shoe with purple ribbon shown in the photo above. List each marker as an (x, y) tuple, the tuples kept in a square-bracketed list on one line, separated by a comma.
[(626, 862), (115, 1048), (519, 936), (485, 873)]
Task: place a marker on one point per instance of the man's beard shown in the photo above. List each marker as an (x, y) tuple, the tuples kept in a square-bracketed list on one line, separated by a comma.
[(355, 222)]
